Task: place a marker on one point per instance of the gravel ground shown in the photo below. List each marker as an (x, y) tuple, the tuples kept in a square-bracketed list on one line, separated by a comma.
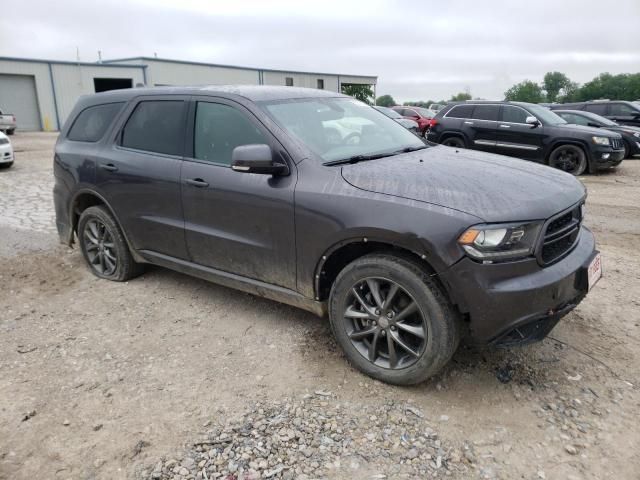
[(172, 377)]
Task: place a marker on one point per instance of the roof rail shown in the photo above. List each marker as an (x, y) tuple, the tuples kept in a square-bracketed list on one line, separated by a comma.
[(601, 100)]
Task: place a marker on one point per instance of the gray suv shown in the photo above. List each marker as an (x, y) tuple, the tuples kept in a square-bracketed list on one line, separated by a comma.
[(408, 248)]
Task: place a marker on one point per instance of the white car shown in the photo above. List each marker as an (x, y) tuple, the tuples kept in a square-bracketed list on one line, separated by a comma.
[(6, 151)]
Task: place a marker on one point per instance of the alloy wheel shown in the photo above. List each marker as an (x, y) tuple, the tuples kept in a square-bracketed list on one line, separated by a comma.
[(567, 160), (384, 323), (100, 247)]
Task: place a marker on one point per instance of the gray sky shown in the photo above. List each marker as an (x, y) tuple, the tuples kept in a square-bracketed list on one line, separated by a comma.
[(419, 50)]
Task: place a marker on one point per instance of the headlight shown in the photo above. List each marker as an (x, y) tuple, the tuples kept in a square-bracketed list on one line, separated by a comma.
[(601, 140), (490, 243)]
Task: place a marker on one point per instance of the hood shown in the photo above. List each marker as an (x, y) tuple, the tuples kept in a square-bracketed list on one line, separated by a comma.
[(622, 128), (584, 129), (493, 188)]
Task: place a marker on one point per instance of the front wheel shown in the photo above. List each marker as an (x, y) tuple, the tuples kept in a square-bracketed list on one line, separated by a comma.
[(11, 132), (392, 320), (569, 158)]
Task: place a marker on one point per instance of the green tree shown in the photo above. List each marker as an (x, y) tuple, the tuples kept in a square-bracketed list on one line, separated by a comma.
[(526, 91), (461, 97), (554, 83), (625, 86), (364, 93), (386, 101)]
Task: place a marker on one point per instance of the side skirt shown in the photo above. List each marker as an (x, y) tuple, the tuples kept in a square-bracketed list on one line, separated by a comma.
[(238, 282)]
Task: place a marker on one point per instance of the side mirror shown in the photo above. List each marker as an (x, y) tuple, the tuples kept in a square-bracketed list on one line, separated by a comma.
[(533, 121), (256, 159), (591, 124)]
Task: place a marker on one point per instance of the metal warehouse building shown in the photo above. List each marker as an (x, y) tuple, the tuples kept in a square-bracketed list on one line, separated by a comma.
[(41, 93)]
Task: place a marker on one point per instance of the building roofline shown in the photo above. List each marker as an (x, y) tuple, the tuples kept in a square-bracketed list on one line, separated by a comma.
[(66, 62), (204, 64)]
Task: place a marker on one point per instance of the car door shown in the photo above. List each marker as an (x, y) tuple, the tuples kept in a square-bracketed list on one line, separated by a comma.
[(139, 174), (241, 223), (516, 137), (481, 127), (624, 114)]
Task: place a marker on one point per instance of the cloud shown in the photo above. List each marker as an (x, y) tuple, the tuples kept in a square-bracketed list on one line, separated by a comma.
[(419, 50)]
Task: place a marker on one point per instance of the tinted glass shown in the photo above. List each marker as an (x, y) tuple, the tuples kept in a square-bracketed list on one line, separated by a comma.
[(622, 109), (575, 119), (486, 112), (460, 111), (339, 128), (425, 112), (599, 108), (410, 113), (92, 122), (546, 116), (219, 129), (514, 114), (155, 126)]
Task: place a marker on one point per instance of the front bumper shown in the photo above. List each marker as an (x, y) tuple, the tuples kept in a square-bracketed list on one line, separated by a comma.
[(6, 154), (519, 302), (605, 157)]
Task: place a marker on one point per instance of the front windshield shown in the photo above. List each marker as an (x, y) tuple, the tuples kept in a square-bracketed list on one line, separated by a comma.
[(340, 128), (425, 112), (603, 120), (545, 115), (389, 112)]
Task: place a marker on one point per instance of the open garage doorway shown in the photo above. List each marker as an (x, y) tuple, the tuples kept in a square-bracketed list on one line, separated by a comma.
[(106, 84)]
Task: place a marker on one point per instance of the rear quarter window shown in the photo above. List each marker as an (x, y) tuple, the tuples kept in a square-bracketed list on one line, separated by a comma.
[(92, 123), (599, 108), (460, 111)]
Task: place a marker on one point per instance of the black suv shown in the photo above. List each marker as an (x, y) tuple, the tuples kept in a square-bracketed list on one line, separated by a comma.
[(526, 131), (620, 111), (404, 245), (630, 135)]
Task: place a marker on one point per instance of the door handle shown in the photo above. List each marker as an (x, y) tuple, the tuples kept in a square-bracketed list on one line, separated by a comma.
[(109, 167), (197, 182), (505, 126), (468, 122)]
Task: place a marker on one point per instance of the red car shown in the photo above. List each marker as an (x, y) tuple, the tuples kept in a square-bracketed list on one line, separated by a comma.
[(420, 115)]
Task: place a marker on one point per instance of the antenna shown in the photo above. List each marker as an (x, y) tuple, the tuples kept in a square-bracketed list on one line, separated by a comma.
[(77, 54), (99, 56), (155, 55)]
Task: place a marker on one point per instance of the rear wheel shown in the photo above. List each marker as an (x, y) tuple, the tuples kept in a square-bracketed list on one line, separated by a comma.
[(392, 320), (104, 247), (11, 132), (455, 142), (627, 149), (6, 165), (568, 158)]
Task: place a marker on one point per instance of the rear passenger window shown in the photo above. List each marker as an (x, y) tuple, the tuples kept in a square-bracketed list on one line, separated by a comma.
[(599, 108), (486, 112), (460, 111), (155, 126), (514, 114), (93, 122), (219, 129)]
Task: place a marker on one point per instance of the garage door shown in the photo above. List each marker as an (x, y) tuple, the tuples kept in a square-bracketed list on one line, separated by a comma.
[(18, 96)]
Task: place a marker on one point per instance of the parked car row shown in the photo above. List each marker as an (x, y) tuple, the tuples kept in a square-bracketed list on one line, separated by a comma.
[(527, 131), (619, 111), (422, 116)]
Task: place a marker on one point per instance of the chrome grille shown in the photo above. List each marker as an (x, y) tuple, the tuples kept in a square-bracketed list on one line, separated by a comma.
[(617, 144), (560, 236)]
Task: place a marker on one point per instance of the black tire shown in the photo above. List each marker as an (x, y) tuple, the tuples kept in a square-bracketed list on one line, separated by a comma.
[(455, 142), (627, 149), (568, 158), (11, 132), (6, 165), (432, 316), (104, 247)]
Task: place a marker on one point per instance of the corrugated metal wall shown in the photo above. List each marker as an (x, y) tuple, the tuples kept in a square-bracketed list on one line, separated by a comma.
[(72, 81)]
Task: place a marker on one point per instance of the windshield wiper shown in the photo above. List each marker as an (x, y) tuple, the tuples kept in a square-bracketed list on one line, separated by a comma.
[(362, 158), (358, 158)]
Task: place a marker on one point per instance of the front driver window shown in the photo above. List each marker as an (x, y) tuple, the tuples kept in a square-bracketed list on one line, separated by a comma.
[(219, 129)]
